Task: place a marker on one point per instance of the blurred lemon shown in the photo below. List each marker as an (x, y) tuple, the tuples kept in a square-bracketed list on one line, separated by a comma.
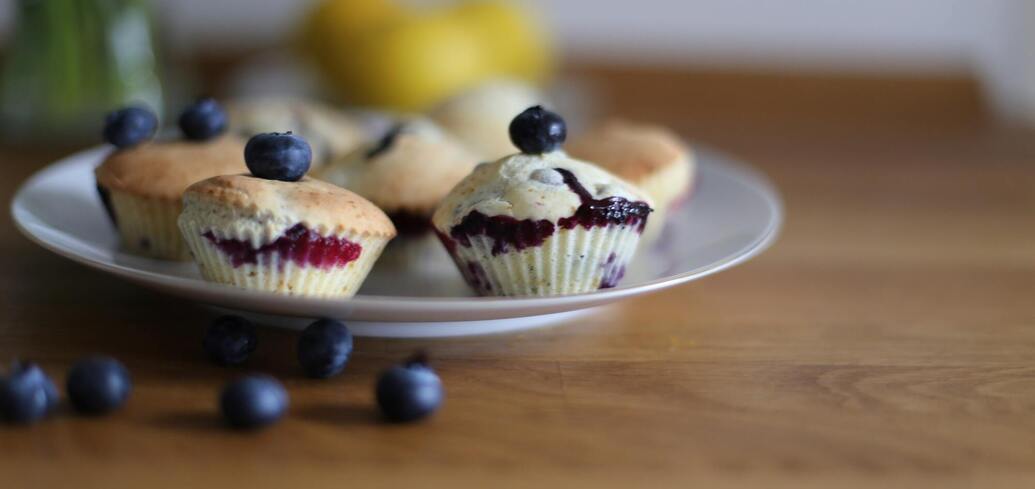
[(518, 46), (414, 63), (379, 52)]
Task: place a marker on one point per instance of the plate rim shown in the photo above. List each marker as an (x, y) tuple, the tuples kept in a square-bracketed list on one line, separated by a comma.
[(196, 289)]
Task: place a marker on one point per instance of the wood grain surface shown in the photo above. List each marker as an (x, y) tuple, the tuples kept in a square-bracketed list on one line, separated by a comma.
[(887, 339)]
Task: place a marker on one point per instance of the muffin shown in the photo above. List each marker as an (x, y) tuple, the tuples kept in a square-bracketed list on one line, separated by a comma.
[(479, 117), (330, 133), (541, 223), (142, 187), (648, 156), (277, 231), (406, 173)]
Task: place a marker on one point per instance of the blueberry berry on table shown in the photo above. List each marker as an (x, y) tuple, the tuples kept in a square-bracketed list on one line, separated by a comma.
[(537, 130), (253, 402), (410, 391), (98, 385), (129, 126), (278, 156), (26, 393), (324, 348), (204, 119), (230, 340)]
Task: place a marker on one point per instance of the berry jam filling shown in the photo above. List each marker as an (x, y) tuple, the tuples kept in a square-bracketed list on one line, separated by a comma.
[(476, 277), (106, 200), (613, 272), (298, 244), (410, 223), (505, 231), (602, 212), (508, 232)]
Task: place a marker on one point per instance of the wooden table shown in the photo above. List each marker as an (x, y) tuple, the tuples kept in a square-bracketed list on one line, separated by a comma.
[(888, 338)]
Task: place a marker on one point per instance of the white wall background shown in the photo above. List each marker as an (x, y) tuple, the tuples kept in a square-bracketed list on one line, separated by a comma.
[(988, 37)]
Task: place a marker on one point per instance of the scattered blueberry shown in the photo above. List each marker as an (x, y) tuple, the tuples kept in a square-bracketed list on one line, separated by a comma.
[(278, 156), (26, 394), (129, 126), (253, 402), (230, 340), (324, 348), (204, 119), (98, 385), (410, 391), (537, 130)]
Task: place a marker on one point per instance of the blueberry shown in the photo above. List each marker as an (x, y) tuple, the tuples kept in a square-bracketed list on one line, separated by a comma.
[(537, 130), (410, 391), (278, 156), (98, 385), (204, 119), (253, 402), (26, 394), (324, 348), (230, 340), (129, 126)]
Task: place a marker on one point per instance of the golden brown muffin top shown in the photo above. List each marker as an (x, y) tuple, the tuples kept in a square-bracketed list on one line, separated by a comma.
[(315, 203), (633, 151), (163, 169)]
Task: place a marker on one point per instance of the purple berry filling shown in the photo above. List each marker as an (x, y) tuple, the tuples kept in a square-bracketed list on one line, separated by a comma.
[(299, 244), (505, 231), (508, 232), (613, 272), (476, 278), (602, 212)]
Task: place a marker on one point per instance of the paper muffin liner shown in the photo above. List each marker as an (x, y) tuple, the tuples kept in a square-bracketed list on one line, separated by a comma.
[(274, 273), (571, 261), (147, 226)]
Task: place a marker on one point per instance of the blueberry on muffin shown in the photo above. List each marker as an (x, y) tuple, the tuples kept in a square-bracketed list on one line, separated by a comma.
[(275, 230), (331, 133), (541, 223), (141, 183)]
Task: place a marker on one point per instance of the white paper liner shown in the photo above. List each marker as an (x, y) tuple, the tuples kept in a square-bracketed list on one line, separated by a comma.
[(148, 226), (272, 273), (571, 261)]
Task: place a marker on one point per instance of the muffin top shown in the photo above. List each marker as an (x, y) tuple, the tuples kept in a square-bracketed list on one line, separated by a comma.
[(630, 150), (331, 133), (411, 169), (480, 116), (164, 169), (550, 186), (278, 205)]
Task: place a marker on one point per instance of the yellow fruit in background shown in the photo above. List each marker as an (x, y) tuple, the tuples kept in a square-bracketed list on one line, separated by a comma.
[(383, 53), (517, 43), (331, 28), (414, 63)]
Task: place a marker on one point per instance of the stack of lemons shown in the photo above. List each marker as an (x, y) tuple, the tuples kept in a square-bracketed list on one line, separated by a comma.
[(383, 53)]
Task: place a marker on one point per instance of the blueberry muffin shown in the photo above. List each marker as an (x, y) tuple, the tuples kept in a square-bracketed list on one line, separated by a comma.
[(406, 173), (540, 223), (480, 116), (330, 133), (650, 157), (275, 230), (141, 183)]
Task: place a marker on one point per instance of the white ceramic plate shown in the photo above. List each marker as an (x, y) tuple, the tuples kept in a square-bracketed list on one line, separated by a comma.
[(733, 215)]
